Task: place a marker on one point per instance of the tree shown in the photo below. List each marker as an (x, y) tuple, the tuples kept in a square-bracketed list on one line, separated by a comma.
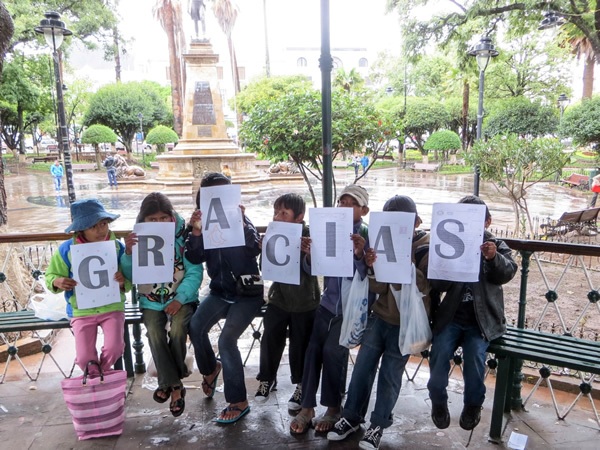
[(117, 106), (168, 13), (521, 116), (582, 122), (423, 117), (6, 32), (226, 13), (160, 136), (461, 20), (268, 88), (288, 127), (513, 165), (445, 141), (96, 135)]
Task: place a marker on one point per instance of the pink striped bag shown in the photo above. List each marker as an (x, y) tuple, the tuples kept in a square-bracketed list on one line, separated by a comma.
[(96, 404)]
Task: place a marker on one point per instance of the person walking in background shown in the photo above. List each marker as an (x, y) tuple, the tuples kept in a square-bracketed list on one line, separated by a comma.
[(90, 224), (111, 170), (364, 161), (57, 172), (224, 267), (290, 307), (167, 305), (468, 315), (356, 165)]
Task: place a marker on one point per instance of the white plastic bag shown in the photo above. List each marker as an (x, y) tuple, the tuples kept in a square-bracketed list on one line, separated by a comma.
[(355, 310), (415, 332), (48, 306)]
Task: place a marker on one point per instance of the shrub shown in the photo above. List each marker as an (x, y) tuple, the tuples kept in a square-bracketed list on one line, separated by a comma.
[(445, 141), (160, 136)]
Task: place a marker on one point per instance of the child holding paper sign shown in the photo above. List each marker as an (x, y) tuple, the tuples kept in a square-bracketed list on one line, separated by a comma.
[(167, 303), (224, 266), (90, 224), (325, 357), (469, 315), (290, 306)]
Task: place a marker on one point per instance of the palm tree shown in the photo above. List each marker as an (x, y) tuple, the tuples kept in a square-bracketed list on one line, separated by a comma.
[(581, 47), (168, 13), (226, 14)]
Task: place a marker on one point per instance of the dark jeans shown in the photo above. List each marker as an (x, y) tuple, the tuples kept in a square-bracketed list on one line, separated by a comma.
[(168, 349), (276, 324), (443, 347), (380, 341), (237, 318), (112, 177), (324, 352)]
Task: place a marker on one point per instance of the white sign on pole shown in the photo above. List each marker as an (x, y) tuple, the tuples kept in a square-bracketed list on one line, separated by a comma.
[(281, 252), (94, 266), (332, 249), (153, 257), (222, 222), (456, 237), (390, 235)]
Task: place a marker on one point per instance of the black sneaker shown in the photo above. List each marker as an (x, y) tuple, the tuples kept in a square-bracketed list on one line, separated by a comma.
[(440, 415), (295, 401), (341, 430), (262, 393), (470, 417), (371, 439)]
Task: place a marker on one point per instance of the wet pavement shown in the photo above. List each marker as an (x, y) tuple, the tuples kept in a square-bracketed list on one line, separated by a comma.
[(33, 205)]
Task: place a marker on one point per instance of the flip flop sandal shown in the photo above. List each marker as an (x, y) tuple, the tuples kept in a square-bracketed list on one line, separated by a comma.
[(178, 406), (157, 398), (213, 385), (242, 413), (326, 419), (304, 421)]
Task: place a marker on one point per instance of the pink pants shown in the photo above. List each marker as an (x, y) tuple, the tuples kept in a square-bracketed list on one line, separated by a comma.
[(85, 330)]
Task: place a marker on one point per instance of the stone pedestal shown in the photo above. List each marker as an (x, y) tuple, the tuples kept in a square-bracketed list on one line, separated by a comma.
[(204, 145)]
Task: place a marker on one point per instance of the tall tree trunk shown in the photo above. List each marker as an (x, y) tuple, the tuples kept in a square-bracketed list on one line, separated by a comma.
[(588, 76), (117, 50), (175, 74), (7, 29)]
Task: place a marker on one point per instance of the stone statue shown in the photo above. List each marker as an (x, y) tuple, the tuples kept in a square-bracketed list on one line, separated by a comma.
[(124, 170), (197, 10)]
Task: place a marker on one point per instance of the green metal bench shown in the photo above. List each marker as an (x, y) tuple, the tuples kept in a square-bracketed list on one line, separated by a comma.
[(520, 344), (25, 320), (552, 349)]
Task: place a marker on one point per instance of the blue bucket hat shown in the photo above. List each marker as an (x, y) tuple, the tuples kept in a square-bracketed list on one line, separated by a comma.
[(87, 213)]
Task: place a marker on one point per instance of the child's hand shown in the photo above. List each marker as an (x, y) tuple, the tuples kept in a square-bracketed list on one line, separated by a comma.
[(370, 257), (120, 278), (65, 284), (173, 308), (488, 250), (359, 245), (196, 222), (305, 245), (130, 241)]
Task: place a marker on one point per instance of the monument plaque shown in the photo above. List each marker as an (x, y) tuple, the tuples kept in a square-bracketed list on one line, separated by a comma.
[(204, 111)]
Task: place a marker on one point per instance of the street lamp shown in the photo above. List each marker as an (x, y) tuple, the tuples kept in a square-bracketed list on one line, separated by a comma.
[(562, 101), (141, 138), (483, 51), (54, 32)]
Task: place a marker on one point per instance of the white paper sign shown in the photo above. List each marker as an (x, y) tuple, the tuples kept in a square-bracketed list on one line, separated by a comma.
[(153, 255), (281, 252), (94, 266), (332, 250), (390, 235), (222, 222), (517, 441), (456, 236)]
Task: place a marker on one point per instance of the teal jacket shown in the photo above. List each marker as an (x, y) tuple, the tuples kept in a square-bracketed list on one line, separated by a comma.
[(187, 277), (60, 267)]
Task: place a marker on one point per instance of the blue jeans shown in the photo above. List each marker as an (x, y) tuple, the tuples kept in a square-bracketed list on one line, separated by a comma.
[(168, 349), (112, 177), (443, 347), (237, 318), (380, 341), (57, 181)]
